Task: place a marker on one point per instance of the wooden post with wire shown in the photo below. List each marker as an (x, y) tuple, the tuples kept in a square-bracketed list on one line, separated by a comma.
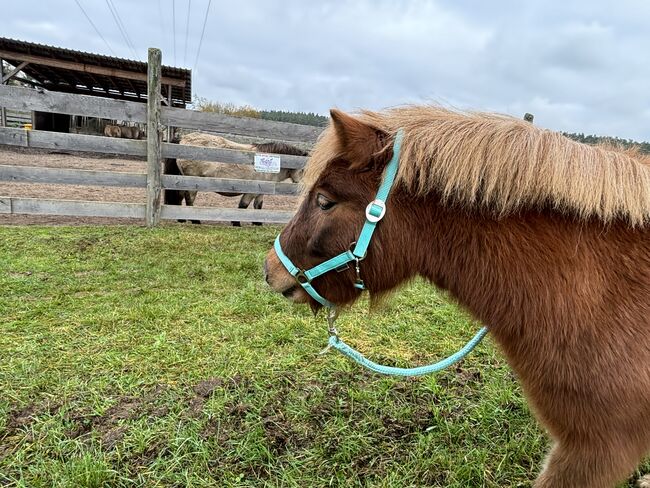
[(3, 111), (154, 182), (170, 129)]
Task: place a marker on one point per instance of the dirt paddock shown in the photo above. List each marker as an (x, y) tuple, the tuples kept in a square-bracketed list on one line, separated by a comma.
[(92, 161)]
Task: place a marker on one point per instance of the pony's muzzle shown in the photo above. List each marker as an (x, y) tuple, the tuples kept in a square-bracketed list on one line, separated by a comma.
[(280, 280)]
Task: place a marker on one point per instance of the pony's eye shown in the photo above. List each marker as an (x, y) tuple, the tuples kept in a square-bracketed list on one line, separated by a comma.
[(323, 202)]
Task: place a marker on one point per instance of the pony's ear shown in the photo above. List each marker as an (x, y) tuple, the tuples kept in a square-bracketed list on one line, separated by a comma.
[(359, 142)]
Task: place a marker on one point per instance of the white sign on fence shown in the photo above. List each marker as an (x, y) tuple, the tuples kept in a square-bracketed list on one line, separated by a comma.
[(267, 163)]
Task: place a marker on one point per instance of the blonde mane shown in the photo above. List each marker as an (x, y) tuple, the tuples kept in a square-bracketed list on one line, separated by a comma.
[(505, 164)]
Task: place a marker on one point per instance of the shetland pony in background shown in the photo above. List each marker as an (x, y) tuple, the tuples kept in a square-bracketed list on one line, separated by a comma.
[(545, 240)]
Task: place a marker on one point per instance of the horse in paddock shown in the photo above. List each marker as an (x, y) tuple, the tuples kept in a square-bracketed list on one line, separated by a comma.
[(112, 130), (544, 240), (130, 132), (123, 131), (238, 171)]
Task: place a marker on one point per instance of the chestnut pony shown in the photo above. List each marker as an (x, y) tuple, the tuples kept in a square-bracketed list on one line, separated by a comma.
[(544, 240)]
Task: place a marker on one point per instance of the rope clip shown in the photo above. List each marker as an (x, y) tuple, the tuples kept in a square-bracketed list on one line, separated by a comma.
[(332, 315), (359, 283)]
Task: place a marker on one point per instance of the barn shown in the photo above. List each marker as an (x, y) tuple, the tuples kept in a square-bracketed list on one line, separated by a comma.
[(65, 70)]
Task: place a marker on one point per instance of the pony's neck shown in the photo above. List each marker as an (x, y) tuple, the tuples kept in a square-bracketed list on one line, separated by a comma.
[(513, 274)]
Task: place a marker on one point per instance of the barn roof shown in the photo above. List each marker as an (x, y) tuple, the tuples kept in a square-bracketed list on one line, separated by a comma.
[(67, 70)]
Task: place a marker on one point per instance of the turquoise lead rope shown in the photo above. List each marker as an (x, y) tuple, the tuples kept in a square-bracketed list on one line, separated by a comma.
[(336, 343), (375, 211)]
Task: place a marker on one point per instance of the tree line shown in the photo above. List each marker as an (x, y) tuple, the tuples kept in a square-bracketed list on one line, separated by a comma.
[(303, 118), (644, 147)]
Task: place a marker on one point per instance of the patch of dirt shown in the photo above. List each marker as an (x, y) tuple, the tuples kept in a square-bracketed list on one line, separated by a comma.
[(113, 436), (109, 426), (145, 458), (205, 388), (90, 161), (18, 422), (25, 416)]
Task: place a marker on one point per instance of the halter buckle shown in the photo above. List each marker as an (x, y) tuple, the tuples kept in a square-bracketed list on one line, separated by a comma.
[(375, 218)]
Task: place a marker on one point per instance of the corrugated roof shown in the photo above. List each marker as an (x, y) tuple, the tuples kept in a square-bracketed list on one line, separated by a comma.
[(94, 74)]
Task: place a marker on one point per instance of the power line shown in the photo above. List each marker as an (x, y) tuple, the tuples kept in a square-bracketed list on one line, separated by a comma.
[(96, 29), (174, 27), (121, 27), (124, 28), (205, 21), (187, 29), (162, 25)]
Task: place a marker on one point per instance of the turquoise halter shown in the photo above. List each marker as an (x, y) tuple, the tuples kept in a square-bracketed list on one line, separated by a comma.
[(375, 211)]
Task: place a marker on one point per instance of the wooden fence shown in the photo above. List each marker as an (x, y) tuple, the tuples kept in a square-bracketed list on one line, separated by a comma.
[(155, 116), (15, 118)]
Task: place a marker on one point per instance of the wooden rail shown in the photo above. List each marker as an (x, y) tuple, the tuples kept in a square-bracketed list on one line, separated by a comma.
[(60, 176), (71, 142), (105, 145), (81, 208), (174, 212), (75, 208), (19, 98)]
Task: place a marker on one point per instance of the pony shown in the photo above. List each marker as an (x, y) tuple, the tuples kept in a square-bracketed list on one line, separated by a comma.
[(112, 130), (123, 131), (189, 167), (544, 240), (130, 132)]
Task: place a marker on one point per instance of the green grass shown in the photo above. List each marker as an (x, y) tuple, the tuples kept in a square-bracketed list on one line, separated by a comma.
[(136, 357)]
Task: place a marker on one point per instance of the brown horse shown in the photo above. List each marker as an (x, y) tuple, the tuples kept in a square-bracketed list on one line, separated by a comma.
[(544, 240), (188, 167)]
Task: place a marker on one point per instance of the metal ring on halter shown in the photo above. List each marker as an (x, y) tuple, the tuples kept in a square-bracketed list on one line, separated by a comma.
[(357, 258), (372, 218), (301, 277)]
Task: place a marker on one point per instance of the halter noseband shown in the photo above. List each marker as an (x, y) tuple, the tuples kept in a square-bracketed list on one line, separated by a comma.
[(375, 211)]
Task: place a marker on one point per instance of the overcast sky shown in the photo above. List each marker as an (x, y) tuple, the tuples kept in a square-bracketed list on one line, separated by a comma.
[(579, 66)]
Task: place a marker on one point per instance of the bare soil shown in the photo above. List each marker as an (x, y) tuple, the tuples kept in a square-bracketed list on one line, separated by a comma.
[(92, 161)]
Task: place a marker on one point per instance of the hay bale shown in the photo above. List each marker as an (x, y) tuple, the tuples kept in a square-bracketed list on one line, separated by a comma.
[(211, 140)]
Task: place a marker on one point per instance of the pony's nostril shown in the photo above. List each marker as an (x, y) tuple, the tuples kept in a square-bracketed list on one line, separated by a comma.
[(288, 292)]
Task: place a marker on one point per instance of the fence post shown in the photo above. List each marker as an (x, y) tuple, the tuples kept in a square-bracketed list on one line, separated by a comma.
[(3, 111), (153, 207)]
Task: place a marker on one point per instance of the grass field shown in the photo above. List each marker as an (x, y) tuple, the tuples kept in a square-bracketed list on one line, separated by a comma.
[(135, 357)]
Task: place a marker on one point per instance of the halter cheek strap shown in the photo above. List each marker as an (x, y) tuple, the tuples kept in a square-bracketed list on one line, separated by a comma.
[(375, 211)]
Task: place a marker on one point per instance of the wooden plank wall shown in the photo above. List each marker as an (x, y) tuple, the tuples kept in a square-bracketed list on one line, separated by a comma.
[(20, 98)]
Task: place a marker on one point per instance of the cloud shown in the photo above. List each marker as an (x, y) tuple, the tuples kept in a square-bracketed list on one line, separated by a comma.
[(579, 66)]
